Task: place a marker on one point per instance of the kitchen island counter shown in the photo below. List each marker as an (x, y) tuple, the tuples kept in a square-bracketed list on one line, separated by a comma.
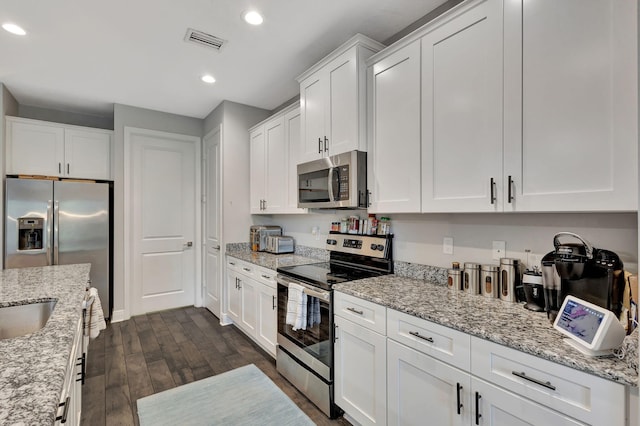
[(33, 366), (505, 323)]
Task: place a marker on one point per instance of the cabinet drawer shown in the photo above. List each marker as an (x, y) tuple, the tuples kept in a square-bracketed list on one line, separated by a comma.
[(265, 276), (588, 398), (443, 343), (234, 264), (360, 311)]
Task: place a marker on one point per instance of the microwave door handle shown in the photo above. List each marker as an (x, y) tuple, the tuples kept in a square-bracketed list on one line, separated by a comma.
[(334, 184), (330, 183)]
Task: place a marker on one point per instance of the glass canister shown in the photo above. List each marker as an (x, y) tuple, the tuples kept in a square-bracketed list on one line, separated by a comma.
[(471, 278), (489, 280)]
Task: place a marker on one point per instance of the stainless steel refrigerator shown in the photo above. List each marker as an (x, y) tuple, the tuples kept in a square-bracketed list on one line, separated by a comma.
[(49, 222)]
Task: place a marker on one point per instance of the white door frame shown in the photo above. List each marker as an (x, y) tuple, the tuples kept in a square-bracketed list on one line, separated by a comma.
[(128, 219), (221, 269)]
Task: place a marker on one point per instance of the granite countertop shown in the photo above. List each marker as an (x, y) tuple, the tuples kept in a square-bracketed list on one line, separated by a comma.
[(33, 366), (271, 261), (495, 320)]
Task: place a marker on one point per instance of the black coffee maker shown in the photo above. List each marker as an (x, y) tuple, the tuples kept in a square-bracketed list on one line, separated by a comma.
[(581, 270)]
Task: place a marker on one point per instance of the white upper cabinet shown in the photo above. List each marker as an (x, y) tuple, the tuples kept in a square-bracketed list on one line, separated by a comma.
[(273, 171), (462, 112), (571, 106), (393, 158), (333, 101), (525, 106), (50, 149)]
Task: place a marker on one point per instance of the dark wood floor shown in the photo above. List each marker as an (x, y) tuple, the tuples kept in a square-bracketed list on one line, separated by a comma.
[(158, 351)]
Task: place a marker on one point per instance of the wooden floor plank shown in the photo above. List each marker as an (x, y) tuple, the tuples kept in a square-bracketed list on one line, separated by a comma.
[(158, 351)]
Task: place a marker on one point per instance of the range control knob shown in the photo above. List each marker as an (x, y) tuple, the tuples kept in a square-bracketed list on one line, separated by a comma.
[(380, 247), (332, 242), (374, 246)]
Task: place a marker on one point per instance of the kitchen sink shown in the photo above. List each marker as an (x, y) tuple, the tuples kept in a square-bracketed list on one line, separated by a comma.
[(24, 319)]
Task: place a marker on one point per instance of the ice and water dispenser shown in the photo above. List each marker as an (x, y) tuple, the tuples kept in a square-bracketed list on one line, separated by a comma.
[(30, 233)]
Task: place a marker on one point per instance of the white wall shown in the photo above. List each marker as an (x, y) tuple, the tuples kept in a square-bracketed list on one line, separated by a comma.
[(418, 238)]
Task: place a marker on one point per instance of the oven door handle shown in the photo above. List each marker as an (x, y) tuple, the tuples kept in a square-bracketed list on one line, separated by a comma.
[(308, 290)]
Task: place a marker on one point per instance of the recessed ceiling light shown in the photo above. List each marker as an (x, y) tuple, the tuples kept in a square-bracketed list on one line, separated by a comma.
[(208, 79), (252, 17), (13, 28)]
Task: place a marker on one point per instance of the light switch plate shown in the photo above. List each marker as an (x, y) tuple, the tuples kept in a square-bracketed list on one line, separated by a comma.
[(447, 245), (499, 250)]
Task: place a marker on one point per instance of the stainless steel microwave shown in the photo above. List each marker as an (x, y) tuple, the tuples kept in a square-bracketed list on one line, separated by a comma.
[(335, 182)]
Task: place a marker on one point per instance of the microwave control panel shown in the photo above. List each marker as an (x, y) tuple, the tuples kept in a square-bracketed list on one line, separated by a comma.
[(343, 183)]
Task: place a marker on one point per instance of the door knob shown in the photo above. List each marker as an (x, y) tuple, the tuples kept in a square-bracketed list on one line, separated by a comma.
[(188, 244)]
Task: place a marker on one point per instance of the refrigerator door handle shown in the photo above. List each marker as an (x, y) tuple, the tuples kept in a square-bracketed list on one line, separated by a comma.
[(49, 235), (56, 233)]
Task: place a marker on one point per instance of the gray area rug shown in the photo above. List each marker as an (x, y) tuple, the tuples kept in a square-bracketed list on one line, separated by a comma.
[(244, 396)]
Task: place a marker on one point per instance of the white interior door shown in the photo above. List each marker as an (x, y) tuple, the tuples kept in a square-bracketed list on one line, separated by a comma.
[(212, 221), (163, 183)]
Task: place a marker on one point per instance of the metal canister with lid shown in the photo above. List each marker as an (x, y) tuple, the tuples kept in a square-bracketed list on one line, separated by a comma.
[(489, 280), (454, 277), (471, 280), (510, 280)]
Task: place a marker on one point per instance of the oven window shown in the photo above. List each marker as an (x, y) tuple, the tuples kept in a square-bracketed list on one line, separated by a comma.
[(313, 187), (316, 340)]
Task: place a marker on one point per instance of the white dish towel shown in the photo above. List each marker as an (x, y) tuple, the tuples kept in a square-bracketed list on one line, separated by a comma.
[(296, 307), (95, 317)]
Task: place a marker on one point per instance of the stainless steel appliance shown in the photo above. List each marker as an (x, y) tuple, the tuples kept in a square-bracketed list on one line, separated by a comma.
[(258, 235), (581, 270), (511, 280), (278, 244), (305, 356), (336, 182), (50, 222)]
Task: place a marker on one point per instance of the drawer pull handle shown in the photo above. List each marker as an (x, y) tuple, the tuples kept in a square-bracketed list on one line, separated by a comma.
[(419, 336), (355, 311), (522, 375), (232, 263), (65, 412), (247, 269), (459, 404), (478, 415), (266, 277)]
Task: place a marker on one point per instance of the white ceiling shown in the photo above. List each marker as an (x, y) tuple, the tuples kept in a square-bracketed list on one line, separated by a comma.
[(85, 55)]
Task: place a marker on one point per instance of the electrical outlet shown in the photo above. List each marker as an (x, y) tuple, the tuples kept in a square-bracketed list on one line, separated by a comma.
[(499, 249), (447, 245), (316, 232)]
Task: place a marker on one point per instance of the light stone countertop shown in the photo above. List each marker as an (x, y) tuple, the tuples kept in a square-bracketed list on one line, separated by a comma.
[(271, 261), (33, 366), (495, 320)]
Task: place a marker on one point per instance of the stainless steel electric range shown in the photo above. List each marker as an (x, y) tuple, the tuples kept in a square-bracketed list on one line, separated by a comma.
[(305, 349)]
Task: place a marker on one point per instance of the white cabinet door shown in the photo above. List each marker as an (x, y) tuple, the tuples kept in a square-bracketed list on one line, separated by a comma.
[(276, 160), (248, 305), (462, 112), (292, 135), (312, 113), (233, 295), (34, 148), (342, 106), (493, 406), (87, 154), (257, 161), (360, 372), (571, 106), (420, 387), (267, 331), (394, 145)]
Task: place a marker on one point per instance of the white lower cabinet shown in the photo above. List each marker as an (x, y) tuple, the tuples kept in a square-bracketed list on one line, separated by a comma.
[(435, 375), (251, 302), (422, 389), (70, 409), (360, 372)]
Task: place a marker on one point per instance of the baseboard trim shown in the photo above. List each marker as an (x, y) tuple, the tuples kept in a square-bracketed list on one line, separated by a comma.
[(118, 316), (225, 320)]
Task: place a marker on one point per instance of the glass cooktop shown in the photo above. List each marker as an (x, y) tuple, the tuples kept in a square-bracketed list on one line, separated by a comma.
[(325, 274)]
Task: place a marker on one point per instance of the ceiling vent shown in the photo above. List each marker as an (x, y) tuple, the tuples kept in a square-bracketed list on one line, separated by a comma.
[(203, 39)]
